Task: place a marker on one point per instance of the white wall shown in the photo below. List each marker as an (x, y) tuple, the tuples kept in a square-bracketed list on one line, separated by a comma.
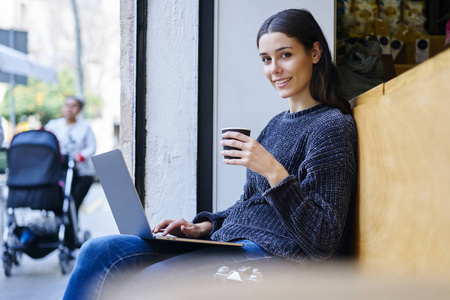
[(172, 72), (243, 96), (127, 80)]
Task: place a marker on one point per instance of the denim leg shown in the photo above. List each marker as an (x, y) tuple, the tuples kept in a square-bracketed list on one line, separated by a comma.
[(103, 261)]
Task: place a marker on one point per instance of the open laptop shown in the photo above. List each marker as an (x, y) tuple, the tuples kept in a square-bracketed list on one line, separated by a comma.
[(124, 200)]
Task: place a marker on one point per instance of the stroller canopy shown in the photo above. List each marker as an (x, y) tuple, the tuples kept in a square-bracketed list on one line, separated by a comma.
[(34, 159)]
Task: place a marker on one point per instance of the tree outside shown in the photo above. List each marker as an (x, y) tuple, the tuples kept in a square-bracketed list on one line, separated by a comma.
[(53, 41), (43, 101)]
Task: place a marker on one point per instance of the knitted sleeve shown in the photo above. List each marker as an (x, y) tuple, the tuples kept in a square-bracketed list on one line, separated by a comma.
[(313, 204)]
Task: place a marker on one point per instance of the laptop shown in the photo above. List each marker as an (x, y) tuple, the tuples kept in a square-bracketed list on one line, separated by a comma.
[(125, 202)]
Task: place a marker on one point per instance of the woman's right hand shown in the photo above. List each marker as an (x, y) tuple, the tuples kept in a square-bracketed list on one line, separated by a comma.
[(183, 228), (253, 156)]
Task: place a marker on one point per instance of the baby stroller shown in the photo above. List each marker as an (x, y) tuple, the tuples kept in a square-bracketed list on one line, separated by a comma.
[(40, 181)]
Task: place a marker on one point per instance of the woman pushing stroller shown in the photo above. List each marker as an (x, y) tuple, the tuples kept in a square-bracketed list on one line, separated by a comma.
[(77, 142)]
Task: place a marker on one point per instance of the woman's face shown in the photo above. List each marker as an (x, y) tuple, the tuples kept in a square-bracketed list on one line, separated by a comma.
[(287, 65), (70, 109)]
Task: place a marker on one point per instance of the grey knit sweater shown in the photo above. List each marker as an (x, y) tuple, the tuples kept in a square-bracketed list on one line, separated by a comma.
[(304, 216)]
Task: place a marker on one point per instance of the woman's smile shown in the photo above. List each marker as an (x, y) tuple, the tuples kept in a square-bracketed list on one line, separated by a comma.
[(282, 82)]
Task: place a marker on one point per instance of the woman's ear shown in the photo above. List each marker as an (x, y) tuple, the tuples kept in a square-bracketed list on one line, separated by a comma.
[(316, 52)]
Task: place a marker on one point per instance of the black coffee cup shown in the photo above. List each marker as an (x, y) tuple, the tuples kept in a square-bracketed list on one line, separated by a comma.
[(245, 131)]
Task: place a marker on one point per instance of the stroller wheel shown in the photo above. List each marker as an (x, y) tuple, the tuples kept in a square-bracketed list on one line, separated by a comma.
[(16, 257), (64, 261), (7, 264)]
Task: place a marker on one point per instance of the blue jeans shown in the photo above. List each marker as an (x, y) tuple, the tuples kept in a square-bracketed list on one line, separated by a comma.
[(105, 262)]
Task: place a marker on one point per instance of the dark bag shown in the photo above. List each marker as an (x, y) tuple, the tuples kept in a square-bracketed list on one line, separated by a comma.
[(360, 66)]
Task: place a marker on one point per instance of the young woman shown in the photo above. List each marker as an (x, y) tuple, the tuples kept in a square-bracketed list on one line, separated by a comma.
[(301, 177), (75, 138)]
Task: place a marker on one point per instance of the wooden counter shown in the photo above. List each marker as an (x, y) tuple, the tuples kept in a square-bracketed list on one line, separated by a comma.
[(404, 171)]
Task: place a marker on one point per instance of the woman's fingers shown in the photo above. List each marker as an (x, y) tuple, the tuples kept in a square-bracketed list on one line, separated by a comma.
[(236, 136), (161, 226), (183, 228), (240, 142), (232, 143), (172, 227)]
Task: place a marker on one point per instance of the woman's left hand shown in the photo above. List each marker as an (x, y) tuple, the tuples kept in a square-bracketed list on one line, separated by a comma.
[(183, 228), (253, 156)]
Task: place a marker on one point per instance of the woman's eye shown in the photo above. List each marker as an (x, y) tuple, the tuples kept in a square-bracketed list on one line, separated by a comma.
[(286, 55), (265, 59)]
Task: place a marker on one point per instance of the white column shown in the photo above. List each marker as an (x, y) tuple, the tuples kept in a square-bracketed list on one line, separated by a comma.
[(172, 75)]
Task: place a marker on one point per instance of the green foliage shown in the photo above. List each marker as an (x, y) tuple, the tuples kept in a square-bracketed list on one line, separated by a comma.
[(93, 107), (45, 99)]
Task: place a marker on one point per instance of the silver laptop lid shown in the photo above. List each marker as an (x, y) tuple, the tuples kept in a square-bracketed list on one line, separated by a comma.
[(121, 194), (125, 203)]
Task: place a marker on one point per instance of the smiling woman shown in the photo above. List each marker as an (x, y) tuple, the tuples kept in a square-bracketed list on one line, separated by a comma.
[(301, 179)]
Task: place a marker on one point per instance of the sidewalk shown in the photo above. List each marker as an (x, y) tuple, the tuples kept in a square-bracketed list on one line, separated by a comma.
[(39, 279), (95, 214)]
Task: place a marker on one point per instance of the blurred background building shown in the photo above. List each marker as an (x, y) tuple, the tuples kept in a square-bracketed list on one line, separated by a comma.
[(52, 40)]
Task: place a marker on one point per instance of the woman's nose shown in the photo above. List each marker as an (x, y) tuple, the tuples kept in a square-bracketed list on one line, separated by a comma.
[(276, 69)]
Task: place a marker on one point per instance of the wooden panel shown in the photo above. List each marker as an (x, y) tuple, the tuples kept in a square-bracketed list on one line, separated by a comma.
[(419, 72), (404, 174), (371, 95)]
